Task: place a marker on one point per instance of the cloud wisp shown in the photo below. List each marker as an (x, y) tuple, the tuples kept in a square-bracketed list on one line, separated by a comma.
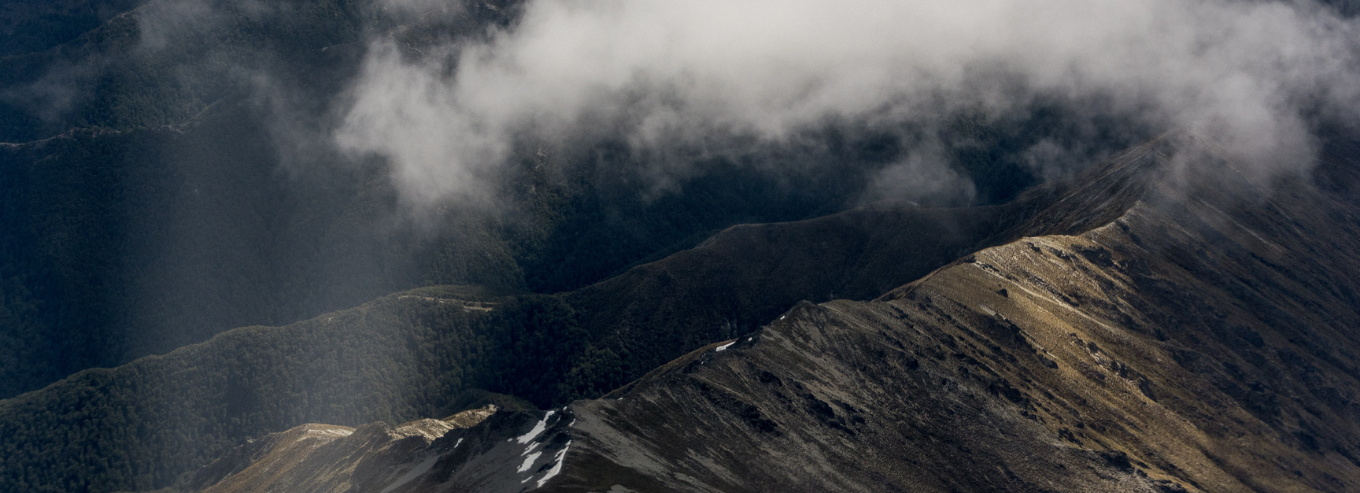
[(660, 74)]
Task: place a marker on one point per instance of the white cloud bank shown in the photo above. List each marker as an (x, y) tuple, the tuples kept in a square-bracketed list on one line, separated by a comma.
[(661, 72)]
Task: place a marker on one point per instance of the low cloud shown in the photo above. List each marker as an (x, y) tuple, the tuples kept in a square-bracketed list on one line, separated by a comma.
[(919, 178), (415, 9), (53, 94), (1247, 75)]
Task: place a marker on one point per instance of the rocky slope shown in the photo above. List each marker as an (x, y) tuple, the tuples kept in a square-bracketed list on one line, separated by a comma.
[(1182, 327)]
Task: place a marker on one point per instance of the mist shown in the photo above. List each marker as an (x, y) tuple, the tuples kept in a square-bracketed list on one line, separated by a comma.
[(704, 74)]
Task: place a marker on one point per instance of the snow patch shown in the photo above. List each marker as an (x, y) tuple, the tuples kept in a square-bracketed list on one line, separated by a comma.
[(528, 461), (538, 429), (530, 449), (557, 468), (725, 346)]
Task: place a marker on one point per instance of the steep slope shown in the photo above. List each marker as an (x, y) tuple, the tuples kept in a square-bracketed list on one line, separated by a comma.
[(408, 355), (1200, 335), (747, 274), (1206, 336)]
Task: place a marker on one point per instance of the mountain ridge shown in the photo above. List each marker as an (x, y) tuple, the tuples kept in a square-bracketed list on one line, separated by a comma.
[(1145, 354), (1046, 210), (360, 365)]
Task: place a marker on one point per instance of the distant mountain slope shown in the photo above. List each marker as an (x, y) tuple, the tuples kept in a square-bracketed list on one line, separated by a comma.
[(407, 355), (149, 197), (169, 170), (1199, 336), (33, 25)]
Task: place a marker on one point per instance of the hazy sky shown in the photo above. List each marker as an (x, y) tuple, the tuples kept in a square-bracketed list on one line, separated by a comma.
[(668, 73)]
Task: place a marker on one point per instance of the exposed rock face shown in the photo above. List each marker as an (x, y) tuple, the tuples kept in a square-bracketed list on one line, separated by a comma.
[(1173, 328)]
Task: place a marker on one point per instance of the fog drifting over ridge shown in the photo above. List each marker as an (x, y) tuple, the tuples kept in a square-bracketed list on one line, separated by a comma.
[(1244, 74)]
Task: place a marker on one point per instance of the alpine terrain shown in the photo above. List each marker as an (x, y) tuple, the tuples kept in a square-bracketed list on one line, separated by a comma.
[(1150, 329), (501, 246)]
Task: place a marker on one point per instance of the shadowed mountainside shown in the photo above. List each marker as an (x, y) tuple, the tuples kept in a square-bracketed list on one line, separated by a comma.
[(1205, 336), (1197, 335), (407, 355), (169, 170)]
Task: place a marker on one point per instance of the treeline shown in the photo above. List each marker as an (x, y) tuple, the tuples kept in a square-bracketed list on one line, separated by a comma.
[(405, 356)]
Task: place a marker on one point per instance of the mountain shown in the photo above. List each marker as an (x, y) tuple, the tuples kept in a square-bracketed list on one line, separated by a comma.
[(408, 355), (123, 239), (1169, 337), (169, 170), (155, 194), (196, 270)]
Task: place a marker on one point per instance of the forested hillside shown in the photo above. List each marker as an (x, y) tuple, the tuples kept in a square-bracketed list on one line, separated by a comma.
[(411, 354), (171, 177)]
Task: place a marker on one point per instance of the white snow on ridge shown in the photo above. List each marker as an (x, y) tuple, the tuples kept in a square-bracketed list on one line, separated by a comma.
[(725, 346), (528, 461), (530, 449), (557, 468), (538, 429)]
